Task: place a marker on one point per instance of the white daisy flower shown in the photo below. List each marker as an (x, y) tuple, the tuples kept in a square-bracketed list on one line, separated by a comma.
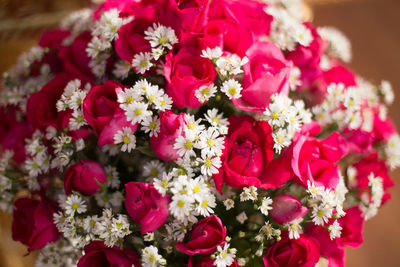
[(205, 92), (335, 230), (74, 204), (232, 89), (185, 145), (151, 125), (321, 214), (229, 203), (266, 205), (225, 256), (142, 62), (137, 112), (127, 138), (209, 165), (211, 143)]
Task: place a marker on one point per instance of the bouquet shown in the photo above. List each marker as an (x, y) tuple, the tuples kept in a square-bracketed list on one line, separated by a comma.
[(192, 133)]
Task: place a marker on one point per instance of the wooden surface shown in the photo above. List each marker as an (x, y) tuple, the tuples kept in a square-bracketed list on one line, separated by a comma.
[(373, 26)]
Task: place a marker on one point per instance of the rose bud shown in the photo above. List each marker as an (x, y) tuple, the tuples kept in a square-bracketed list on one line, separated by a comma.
[(98, 254), (171, 126), (33, 223), (146, 206), (302, 252), (84, 177), (206, 235), (286, 208)]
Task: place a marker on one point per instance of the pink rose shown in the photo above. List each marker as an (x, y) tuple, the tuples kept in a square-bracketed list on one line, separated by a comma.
[(301, 252), (98, 254), (316, 160), (266, 73), (340, 74), (146, 206), (171, 126), (185, 72), (206, 261), (286, 208), (205, 236), (84, 177), (41, 108), (75, 59), (102, 112), (246, 159), (33, 223), (382, 129), (359, 141)]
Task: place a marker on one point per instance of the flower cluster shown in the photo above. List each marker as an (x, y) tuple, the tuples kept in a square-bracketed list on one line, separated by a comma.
[(192, 133)]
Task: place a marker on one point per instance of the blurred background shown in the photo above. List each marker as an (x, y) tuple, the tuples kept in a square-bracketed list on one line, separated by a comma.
[(373, 27)]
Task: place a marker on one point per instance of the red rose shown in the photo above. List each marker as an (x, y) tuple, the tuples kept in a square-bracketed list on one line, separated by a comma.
[(372, 164), (171, 126), (33, 223), (266, 73), (206, 261), (84, 177), (205, 236), (186, 72), (102, 112), (340, 74), (247, 156), (286, 208), (301, 252), (98, 254), (75, 58), (131, 35), (249, 13), (146, 206), (13, 132), (351, 235), (309, 57), (316, 159), (41, 108)]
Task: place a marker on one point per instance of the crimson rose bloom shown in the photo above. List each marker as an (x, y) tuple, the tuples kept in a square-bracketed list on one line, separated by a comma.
[(33, 223), (75, 59), (266, 73), (206, 235), (146, 206), (101, 111), (98, 254), (246, 159), (84, 177), (301, 252), (171, 126), (186, 72), (41, 108)]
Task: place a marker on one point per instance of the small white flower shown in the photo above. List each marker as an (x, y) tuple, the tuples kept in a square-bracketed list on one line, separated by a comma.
[(266, 205), (212, 53), (216, 119), (127, 97), (229, 203), (205, 92), (161, 36), (74, 204), (148, 237), (249, 193), (232, 89), (153, 169), (225, 256), (242, 217), (294, 228), (335, 230), (282, 139), (206, 205), (137, 112), (151, 125), (387, 92), (142, 62), (151, 258), (211, 143), (127, 138), (185, 145), (321, 214), (210, 165), (121, 69)]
